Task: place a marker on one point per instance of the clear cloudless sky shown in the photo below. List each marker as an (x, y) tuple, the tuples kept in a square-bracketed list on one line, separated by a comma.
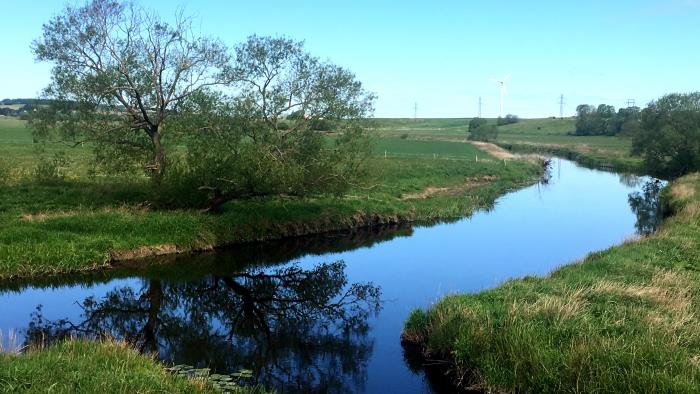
[(440, 54)]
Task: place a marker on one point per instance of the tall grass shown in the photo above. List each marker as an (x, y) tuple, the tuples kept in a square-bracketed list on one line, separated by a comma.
[(81, 366)]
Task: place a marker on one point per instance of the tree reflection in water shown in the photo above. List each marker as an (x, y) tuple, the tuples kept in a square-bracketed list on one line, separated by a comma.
[(301, 329), (645, 205)]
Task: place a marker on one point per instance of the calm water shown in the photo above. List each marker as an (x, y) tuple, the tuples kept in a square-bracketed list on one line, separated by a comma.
[(324, 313)]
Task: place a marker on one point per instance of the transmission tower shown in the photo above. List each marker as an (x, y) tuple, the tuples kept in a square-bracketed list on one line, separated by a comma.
[(630, 103), (415, 112), (479, 106), (561, 106)]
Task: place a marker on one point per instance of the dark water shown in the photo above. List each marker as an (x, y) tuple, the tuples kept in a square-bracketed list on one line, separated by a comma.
[(324, 313)]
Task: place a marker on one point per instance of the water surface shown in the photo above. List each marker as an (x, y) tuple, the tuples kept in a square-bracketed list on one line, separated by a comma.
[(324, 313)]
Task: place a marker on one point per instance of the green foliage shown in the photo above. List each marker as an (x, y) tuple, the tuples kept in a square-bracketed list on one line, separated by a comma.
[(51, 170), (480, 130), (240, 150), (225, 383), (321, 125), (105, 55), (508, 119), (669, 136), (476, 123), (604, 121)]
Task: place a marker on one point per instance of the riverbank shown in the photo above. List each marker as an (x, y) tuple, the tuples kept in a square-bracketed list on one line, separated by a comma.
[(622, 320), (593, 159), (84, 222), (91, 367)]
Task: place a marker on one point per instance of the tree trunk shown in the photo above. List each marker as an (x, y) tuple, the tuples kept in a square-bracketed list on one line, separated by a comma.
[(158, 156), (150, 330)]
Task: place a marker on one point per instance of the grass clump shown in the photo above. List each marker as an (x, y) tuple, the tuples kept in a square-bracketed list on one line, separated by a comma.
[(623, 320), (82, 366)]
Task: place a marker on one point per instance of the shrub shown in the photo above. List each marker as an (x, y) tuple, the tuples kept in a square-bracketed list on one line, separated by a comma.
[(480, 130), (51, 170), (509, 119)]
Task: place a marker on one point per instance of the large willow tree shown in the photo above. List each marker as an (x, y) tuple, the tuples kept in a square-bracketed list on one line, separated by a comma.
[(252, 122), (119, 72)]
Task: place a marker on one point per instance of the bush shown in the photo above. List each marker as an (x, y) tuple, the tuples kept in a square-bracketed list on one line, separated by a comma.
[(480, 130), (321, 125), (51, 170), (509, 119), (404, 136)]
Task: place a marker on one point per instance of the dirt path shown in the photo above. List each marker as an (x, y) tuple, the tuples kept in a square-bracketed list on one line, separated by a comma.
[(471, 183), (494, 150)]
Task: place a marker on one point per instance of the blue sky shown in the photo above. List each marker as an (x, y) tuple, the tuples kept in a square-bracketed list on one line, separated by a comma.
[(442, 54)]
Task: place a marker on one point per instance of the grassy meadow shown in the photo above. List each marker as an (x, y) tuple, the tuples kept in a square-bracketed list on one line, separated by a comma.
[(622, 320), (548, 136), (92, 220)]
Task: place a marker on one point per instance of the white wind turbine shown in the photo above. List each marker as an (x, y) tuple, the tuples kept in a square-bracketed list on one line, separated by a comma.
[(504, 91)]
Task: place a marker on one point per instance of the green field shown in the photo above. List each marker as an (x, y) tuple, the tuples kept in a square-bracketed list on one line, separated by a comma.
[(90, 221), (552, 136)]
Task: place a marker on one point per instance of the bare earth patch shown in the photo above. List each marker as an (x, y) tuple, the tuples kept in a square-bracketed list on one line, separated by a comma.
[(44, 216), (144, 251), (494, 150), (428, 192)]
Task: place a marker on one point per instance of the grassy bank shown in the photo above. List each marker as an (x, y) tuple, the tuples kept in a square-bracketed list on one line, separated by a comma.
[(80, 366), (622, 320), (91, 221)]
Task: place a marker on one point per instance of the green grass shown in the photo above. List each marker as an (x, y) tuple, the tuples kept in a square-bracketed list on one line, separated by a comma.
[(555, 136), (548, 136), (87, 223), (81, 366), (13, 130), (429, 149), (623, 320)]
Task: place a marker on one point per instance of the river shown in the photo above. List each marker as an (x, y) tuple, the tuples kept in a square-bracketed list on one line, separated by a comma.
[(324, 313)]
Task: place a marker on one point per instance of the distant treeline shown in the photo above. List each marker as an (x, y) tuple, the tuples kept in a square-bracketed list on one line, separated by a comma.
[(25, 101), (21, 106), (603, 120)]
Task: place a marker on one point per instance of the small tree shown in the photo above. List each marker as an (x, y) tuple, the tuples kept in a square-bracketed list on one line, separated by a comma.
[(480, 130), (508, 119), (119, 72)]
